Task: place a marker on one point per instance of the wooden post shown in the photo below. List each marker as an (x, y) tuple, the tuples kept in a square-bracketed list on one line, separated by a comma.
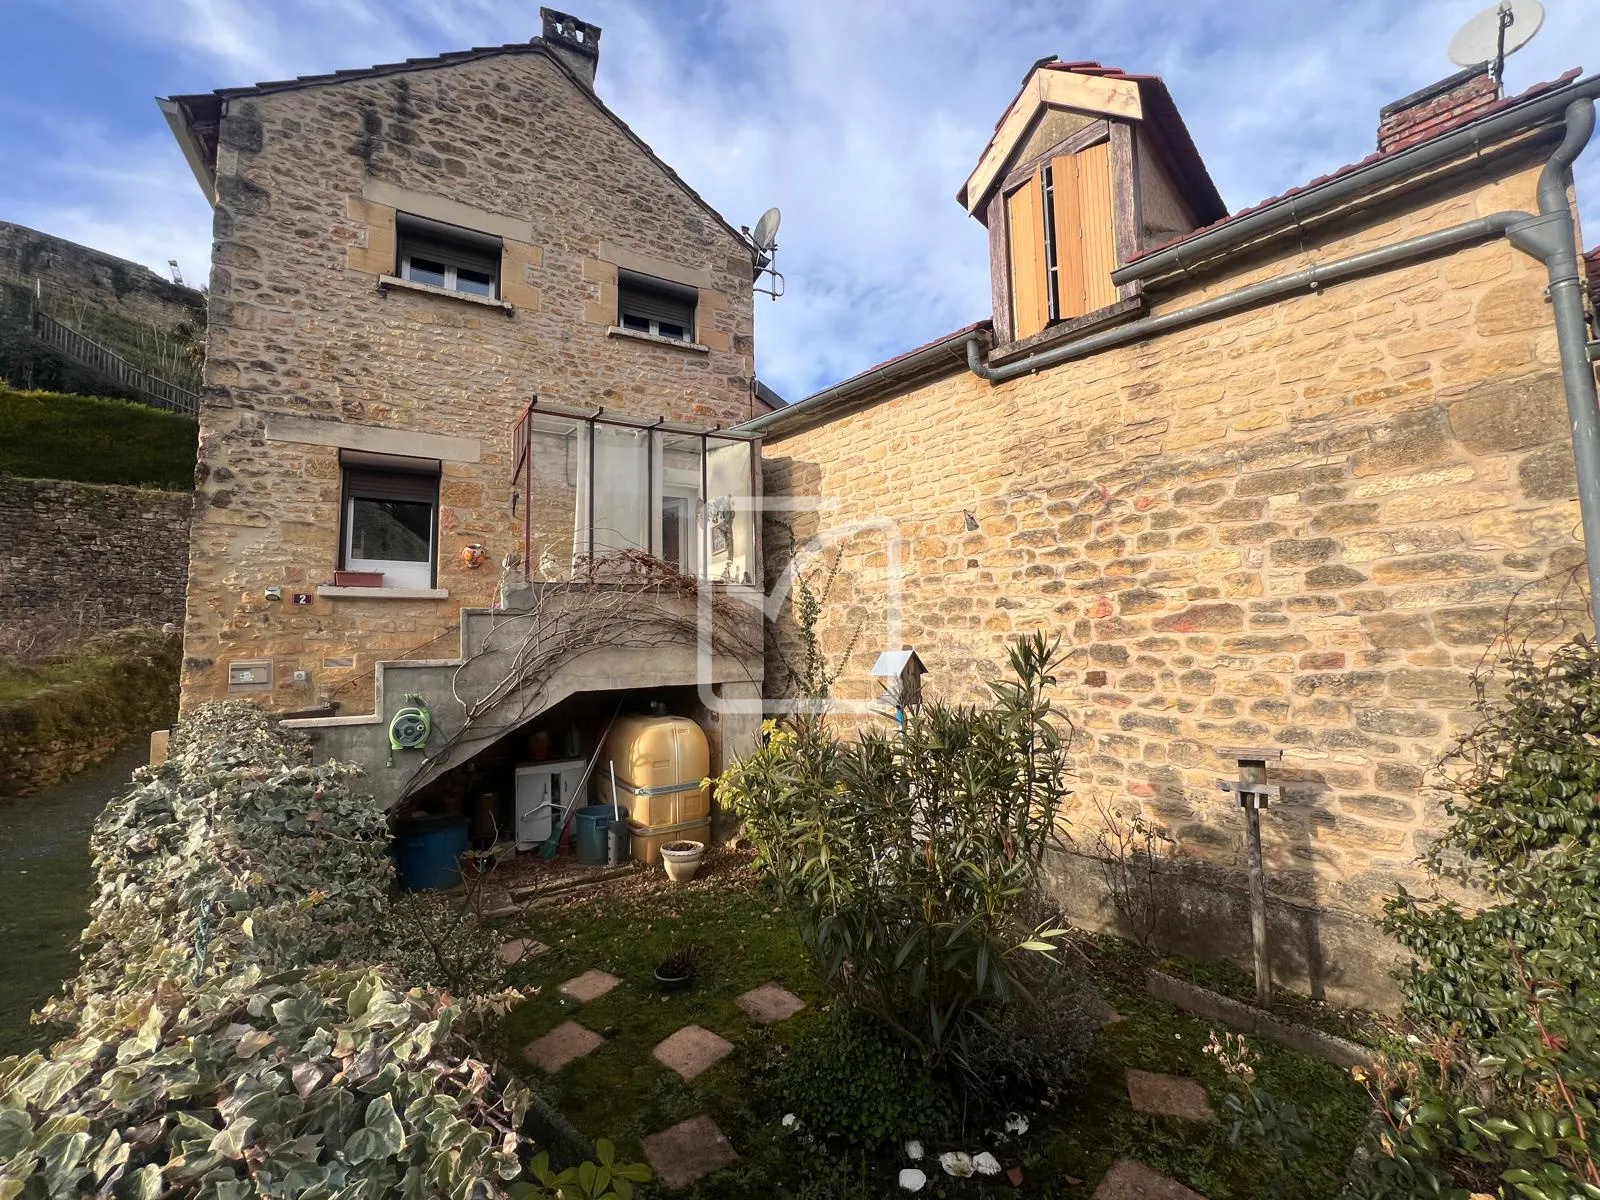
[(1253, 770), (1254, 792)]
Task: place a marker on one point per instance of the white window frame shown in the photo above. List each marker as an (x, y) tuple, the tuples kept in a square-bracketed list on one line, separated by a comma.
[(397, 573), (451, 281), (453, 247)]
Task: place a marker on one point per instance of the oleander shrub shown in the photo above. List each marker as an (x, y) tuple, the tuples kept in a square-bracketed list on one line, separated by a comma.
[(909, 861), (237, 1029), (1500, 1091)]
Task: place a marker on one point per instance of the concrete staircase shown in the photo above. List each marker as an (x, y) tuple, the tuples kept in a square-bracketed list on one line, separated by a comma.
[(473, 704)]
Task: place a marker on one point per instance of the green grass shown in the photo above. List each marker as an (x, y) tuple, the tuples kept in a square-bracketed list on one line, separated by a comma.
[(620, 1092), (86, 439), (44, 903)]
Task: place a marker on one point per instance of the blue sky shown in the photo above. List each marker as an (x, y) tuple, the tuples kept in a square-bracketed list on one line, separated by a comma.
[(859, 118)]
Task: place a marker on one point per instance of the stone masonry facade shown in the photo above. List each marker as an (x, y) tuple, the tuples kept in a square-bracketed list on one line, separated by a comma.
[(1300, 527), (70, 273), (307, 353), (98, 555)]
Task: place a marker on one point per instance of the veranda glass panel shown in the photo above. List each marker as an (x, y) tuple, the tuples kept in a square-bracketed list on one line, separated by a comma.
[(678, 507), (730, 511), (621, 489), (558, 449)]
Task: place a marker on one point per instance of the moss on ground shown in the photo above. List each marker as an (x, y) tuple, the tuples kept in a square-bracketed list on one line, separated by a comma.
[(621, 1092), (87, 439), (44, 903)]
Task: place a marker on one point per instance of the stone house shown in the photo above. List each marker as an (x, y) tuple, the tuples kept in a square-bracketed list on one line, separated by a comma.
[(1279, 478), (469, 339)]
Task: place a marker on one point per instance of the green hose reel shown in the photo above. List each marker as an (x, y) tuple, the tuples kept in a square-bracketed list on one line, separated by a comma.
[(411, 726)]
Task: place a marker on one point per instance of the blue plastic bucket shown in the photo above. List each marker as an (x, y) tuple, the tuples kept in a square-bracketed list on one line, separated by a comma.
[(428, 851), (594, 823)]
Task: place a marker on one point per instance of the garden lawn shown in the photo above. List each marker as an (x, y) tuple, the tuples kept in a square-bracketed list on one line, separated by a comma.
[(620, 1092)]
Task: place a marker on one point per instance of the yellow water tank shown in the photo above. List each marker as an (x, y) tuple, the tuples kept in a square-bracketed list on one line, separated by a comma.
[(661, 764)]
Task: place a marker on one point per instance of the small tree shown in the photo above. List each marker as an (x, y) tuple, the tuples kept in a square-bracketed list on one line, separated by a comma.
[(910, 861)]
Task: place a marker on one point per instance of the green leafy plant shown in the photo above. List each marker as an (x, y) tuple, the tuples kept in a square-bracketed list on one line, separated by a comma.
[(907, 861), (1502, 1081), (848, 1078), (1260, 1121), (605, 1179)]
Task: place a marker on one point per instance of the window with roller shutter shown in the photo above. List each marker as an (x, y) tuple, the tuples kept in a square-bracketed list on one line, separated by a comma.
[(656, 306)]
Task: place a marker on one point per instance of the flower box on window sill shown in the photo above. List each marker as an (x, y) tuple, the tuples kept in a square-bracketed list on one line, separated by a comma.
[(372, 579)]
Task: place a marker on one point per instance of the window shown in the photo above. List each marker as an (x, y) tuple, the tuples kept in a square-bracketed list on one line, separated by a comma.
[(390, 517), (448, 256), (655, 306), (1063, 247)]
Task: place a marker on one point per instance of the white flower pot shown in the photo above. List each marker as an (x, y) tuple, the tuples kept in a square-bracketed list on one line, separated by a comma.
[(682, 864)]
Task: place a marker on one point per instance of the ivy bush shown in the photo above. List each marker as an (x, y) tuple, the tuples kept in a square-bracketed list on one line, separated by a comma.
[(909, 861), (1502, 1085), (216, 1049)]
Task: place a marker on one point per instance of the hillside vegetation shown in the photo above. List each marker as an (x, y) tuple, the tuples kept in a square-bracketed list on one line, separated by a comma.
[(88, 439)]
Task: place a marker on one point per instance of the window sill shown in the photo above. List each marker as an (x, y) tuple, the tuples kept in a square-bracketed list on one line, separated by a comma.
[(656, 339), (383, 593), (385, 282)]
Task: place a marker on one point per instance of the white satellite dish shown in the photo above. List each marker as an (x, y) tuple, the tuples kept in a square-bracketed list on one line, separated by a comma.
[(1496, 32), (766, 231)]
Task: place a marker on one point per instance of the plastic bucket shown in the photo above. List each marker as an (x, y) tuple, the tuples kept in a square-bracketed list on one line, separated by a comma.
[(428, 851), (594, 824)]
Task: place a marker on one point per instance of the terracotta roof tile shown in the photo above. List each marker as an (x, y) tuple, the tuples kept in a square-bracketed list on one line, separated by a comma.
[(1504, 102)]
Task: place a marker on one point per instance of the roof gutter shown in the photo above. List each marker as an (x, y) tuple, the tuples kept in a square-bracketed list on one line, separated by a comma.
[(1549, 236), (1294, 210), (945, 352)]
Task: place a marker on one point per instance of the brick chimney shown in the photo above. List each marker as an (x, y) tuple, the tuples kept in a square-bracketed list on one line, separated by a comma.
[(577, 42), (1436, 108)]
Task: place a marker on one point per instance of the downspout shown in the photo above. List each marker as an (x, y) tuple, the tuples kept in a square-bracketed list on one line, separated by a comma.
[(1550, 236)]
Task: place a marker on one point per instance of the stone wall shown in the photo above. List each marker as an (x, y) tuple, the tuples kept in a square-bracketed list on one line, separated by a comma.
[(69, 271), (1300, 527), (105, 555), (307, 352)]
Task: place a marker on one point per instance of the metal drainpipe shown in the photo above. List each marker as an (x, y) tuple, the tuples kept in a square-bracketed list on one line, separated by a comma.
[(1550, 236)]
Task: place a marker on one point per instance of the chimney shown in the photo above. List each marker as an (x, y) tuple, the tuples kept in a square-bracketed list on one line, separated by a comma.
[(577, 42), (1436, 108)]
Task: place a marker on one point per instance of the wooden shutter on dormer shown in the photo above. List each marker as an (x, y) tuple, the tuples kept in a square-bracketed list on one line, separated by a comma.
[(1086, 245), (1030, 286)]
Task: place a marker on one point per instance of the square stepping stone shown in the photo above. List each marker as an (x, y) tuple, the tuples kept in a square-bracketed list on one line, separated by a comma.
[(687, 1151), (1168, 1096), (769, 1004), (517, 949), (591, 985), (1128, 1180), (566, 1043), (692, 1051)]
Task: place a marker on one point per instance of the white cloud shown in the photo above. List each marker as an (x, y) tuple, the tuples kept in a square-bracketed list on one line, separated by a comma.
[(859, 118)]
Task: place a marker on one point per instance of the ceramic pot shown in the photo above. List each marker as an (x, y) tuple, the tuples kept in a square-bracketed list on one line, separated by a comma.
[(682, 859)]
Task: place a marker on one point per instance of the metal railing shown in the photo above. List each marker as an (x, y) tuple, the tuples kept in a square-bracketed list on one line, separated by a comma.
[(150, 389)]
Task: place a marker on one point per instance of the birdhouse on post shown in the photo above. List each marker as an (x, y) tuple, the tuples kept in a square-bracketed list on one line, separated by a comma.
[(1254, 794), (901, 672)]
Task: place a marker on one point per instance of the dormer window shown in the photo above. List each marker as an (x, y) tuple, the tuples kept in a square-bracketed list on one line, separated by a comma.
[(1062, 240)]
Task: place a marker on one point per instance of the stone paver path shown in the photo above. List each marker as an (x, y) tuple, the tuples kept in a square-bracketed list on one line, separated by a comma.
[(566, 1043), (769, 1004), (518, 949), (591, 985), (1168, 1096), (1128, 1180), (692, 1051), (687, 1151)]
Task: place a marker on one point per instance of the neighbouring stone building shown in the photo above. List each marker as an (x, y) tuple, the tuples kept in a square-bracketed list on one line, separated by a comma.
[(68, 273), (1295, 523), (406, 257)]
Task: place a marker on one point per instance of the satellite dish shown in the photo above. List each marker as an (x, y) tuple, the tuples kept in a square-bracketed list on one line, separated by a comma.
[(1496, 32), (766, 231)]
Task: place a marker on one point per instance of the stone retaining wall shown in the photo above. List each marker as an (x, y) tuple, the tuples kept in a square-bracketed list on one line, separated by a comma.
[(104, 555)]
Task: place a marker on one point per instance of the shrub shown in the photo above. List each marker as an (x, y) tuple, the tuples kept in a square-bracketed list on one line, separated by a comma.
[(1504, 1080), (848, 1078), (45, 435), (907, 862), (1037, 1051), (214, 1053)]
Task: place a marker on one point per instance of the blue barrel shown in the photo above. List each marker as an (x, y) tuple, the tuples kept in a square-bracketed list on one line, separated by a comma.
[(594, 824), (428, 851)]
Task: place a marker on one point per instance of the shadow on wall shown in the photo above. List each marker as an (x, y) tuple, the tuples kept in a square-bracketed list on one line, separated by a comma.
[(1204, 913)]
